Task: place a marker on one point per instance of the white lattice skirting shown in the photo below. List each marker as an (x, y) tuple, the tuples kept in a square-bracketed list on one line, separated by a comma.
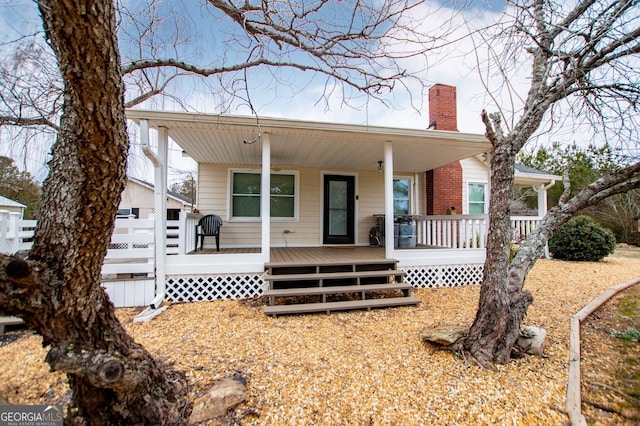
[(433, 276), (198, 288)]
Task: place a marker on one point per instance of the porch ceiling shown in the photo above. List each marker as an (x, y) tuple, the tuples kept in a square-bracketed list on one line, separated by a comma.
[(220, 139)]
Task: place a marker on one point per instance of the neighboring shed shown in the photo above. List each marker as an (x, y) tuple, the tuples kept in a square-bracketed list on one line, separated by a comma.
[(137, 200), (12, 206)]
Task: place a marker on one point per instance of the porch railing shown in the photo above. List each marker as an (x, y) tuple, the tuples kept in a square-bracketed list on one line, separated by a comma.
[(452, 231), (188, 222), (131, 249), (523, 226), (466, 231)]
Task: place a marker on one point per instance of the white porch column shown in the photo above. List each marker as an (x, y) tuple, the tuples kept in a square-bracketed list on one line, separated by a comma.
[(159, 162), (542, 200), (388, 200), (160, 207), (265, 197), (542, 197)]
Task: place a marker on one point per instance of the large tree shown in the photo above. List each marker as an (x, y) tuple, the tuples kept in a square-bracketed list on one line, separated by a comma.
[(584, 60), (56, 290)]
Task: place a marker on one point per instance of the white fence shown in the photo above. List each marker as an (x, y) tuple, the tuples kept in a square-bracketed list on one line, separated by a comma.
[(16, 234), (131, 251)]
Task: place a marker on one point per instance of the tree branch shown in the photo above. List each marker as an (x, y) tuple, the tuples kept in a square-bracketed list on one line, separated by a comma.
[(373, 83), (27, 122), (102, 369)]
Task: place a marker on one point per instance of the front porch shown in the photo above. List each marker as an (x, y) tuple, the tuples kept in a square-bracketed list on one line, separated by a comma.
[(449, 251), (240, 273)]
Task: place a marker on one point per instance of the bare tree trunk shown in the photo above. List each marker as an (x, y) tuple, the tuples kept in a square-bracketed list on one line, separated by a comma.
[(57, 290), (501, 306)]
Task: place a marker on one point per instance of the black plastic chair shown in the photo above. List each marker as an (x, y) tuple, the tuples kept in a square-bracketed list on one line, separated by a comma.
[(208, 226)]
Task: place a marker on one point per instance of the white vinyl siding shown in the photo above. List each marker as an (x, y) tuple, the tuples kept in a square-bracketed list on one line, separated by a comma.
[(142, 198), (214, 196), (474, 171)]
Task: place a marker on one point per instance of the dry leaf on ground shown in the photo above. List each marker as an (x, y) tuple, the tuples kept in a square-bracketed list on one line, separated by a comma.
[(361, 367)]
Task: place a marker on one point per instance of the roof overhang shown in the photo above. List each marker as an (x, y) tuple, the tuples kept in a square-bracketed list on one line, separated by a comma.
[(535, 179), (209, 138)]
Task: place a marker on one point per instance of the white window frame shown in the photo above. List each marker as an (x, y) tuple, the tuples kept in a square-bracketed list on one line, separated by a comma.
[(411, 192), (123, 215), (486, 197), (296, 196)]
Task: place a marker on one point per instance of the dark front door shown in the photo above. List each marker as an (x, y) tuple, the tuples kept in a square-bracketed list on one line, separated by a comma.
[(339, 209)]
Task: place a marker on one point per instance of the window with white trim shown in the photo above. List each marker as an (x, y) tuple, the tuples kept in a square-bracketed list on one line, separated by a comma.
[(401, 195), (477, 198), (127, 212), (245, 195)]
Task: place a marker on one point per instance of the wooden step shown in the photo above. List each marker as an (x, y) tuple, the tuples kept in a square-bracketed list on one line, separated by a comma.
[(340, 306), (311, 291), (334, 275), (386, 262)]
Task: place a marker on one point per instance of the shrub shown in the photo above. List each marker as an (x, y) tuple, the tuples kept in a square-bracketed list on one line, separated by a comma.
[(631, 335), (582, 239)]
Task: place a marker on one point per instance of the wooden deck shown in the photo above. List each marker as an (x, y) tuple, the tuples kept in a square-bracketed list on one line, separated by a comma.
[(326, 254), (304, 255)]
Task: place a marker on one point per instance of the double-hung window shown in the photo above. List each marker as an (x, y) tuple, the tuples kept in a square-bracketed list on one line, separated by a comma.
[(401, 195), (245, 195), (477, 198)]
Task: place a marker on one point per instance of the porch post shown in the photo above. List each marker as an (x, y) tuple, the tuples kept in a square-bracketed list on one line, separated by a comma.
[(542, 200), (541, 191), (388, 200), (160, 207), (265, 197), (159, 162)]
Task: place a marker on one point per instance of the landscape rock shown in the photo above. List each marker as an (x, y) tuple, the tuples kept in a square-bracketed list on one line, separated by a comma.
[(444, 336), (226, 393), (531, 340)]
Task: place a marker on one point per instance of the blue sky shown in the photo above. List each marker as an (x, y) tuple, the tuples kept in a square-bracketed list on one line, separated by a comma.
[(284, 99), (299, 94)]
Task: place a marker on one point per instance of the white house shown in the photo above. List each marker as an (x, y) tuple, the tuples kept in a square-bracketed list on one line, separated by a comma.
[(138, 201), (329, 187)]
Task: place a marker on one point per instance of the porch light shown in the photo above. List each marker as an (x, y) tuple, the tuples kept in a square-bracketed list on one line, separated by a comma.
[(379, 166)]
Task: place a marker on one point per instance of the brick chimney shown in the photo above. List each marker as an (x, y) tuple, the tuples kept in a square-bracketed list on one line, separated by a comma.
[(444, 184), (443, 111)]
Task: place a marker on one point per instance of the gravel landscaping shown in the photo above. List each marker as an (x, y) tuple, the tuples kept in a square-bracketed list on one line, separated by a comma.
[(361, 367)]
